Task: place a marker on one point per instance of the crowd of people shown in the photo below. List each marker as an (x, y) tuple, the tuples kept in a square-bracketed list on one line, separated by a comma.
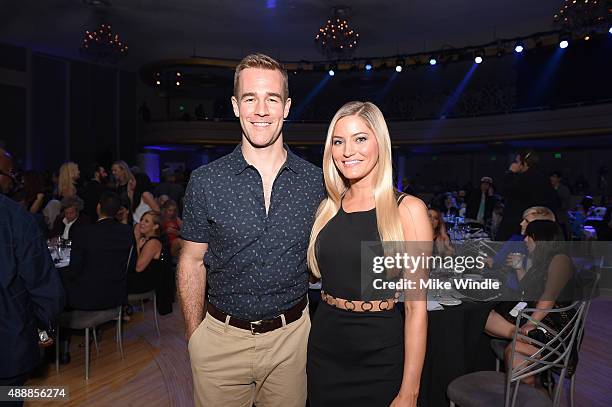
[(250, 230)]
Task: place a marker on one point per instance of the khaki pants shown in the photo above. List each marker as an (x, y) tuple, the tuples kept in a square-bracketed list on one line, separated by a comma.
[(231, 367)]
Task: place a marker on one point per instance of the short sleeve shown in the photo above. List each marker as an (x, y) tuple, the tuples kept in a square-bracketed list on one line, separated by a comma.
[(196, 227)]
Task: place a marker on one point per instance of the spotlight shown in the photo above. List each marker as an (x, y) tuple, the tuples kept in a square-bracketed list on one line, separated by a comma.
[(178, 83), (178, 74), (368, 66), (331, 72), (478, 59), (432, 61), (587, 37), (610, 30), (563, 44), (158, 82), (519, 47), (399, 65), (478, 56)]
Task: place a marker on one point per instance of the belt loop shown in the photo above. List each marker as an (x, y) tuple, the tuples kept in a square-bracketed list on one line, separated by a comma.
[(226, 324), (284, 321)]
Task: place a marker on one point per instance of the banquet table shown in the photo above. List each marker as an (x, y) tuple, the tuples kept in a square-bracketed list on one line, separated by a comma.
[(456, 345)]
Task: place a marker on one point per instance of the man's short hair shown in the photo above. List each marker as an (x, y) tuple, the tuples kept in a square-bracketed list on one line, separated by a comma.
[(556, 174), (72, 202), (261, 61), (110, 203), (540, 213)]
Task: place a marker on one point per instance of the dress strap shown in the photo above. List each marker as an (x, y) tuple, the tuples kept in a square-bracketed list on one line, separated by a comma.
[(400, 198)]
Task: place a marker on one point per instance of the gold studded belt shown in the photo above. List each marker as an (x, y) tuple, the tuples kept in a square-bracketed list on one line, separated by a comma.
[(358, 306)]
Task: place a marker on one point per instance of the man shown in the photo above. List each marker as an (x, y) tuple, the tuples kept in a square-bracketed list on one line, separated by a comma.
[(481, 202), (31, 294), (523, 187), (93, 190), (96, 277), (169, 186), (251, 212), (72, 219), (564, 198)]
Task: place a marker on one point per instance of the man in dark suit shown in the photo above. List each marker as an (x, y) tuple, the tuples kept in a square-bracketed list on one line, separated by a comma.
[(96, 277), (31, 294), (73, 219)]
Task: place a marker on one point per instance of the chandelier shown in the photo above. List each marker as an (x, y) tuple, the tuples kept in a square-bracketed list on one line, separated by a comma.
[(102, 45), (583, 17), (336, 39)]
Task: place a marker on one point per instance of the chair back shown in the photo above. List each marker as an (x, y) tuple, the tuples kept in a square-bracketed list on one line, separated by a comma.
[(553, 352)]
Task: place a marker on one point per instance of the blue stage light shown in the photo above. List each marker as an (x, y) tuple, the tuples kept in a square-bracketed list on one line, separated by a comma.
[(563, 44), (433, 61), (331, 72)]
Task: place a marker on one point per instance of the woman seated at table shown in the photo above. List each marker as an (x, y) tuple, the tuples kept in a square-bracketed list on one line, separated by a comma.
[(442, 242), (172, 225), (149, 250), (546, 284)]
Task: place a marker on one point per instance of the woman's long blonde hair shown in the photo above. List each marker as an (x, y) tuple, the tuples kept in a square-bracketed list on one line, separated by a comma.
[(387, 213), (67, 178)]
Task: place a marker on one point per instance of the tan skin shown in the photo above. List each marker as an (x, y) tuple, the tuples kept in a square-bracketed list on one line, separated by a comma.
[(147, 249), (355, 153), (261, 107)]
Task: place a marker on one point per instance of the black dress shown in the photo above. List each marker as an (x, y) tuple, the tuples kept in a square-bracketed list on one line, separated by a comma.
[(149, 278), (354, 358)]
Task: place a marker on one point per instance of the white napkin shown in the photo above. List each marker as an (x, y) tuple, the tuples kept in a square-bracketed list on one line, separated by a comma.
[(433, 305)]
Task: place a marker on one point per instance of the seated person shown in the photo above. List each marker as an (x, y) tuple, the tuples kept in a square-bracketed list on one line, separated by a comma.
[(172, 225), (449, 206), (481, 202), (547, 283), (96, 276), (149, 250), (516, 242), (442, 244), (71, 220)]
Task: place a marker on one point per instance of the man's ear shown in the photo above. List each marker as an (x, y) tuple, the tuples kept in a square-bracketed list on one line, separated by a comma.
[(287, 107), (235, 106)]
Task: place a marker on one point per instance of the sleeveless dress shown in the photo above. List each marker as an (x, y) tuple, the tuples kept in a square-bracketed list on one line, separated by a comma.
[(149, 278), (354, 358)]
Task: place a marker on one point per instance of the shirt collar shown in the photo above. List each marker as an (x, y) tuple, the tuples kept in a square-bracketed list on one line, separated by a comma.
[(239, 164)]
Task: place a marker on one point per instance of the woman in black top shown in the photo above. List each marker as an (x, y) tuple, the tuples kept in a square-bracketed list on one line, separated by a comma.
[(360, 350), (149, 248)]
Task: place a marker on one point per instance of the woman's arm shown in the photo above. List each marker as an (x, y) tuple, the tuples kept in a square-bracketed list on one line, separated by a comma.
[(148, 198), (150, 250), (37, 204), (418, 234)]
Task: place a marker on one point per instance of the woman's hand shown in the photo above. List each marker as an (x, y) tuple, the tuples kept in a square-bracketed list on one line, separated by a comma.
[(405, 399), (525, 329)]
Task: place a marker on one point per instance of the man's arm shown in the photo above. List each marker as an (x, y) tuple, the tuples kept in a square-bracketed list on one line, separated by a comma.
[(39, 276), (192, 284)]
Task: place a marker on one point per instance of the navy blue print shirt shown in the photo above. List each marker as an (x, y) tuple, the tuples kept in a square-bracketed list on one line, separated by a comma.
[(256, 262)]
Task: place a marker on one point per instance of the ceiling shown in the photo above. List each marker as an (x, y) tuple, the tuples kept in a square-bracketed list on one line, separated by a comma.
[(161, 29)]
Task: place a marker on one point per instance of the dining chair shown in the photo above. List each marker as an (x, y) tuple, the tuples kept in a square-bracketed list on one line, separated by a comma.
[(489, 388)]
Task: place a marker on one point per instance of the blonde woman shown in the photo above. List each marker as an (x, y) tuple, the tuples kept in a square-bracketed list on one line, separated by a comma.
[(68, 175), (361, 353)]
